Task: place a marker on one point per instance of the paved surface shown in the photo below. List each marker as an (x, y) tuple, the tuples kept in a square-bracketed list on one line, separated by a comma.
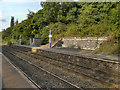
[(12, 77), (86, 53)]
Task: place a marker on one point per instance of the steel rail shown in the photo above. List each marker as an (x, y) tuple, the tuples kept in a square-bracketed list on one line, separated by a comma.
[(75, 86), (83, 74), (110, 61), (101, 59), (25, 74), (87, 68)]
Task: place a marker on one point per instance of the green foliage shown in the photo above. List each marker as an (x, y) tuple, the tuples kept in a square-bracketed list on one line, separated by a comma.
[(109, 47), (58, 30), (72, 29), (44, 35), (67, 19)]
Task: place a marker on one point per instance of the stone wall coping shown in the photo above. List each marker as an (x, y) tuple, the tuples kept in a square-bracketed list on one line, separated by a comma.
[(88, 38)]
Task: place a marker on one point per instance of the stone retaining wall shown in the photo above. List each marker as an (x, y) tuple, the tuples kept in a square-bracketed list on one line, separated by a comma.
[(89, 43)]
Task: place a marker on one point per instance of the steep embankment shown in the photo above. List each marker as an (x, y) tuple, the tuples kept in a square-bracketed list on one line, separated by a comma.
[(70, 19)]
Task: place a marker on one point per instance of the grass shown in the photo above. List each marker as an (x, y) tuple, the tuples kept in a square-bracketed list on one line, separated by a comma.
[(109, 47)]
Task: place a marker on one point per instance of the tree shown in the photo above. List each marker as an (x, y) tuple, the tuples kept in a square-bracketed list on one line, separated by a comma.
[(16, 22), (30, 15), (67, 18), (12, 21)]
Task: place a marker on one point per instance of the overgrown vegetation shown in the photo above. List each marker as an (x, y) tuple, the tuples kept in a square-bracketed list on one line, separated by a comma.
[(109, 47), (68, 19)]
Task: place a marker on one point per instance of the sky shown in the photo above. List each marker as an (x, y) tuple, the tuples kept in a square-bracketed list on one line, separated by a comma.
[(17, 9)]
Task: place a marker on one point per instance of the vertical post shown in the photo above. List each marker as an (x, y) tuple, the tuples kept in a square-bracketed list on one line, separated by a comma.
[(31, 41), (97, 46), (50, 43), (50, 35), (50, 38), (20, 40)]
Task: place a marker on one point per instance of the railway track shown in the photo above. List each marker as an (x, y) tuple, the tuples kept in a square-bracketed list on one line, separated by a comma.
[(26, 75), (69, 69), (42, 69)]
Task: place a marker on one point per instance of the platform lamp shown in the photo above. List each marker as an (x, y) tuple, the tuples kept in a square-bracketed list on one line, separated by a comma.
[(50, 35)]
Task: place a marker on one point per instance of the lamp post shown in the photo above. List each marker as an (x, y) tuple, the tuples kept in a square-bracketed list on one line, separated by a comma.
[(20, 40), (50, 35)]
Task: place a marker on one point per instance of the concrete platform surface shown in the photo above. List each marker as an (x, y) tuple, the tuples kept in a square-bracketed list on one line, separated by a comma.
[(78, 52), (85, 53), (12, 77)]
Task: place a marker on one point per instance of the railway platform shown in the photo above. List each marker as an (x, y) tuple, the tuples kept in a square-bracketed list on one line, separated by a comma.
[(12, 77), (78, 52), (85, 53)]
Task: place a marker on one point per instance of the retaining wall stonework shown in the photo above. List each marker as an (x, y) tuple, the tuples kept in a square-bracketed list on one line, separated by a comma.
[(89, 43)]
